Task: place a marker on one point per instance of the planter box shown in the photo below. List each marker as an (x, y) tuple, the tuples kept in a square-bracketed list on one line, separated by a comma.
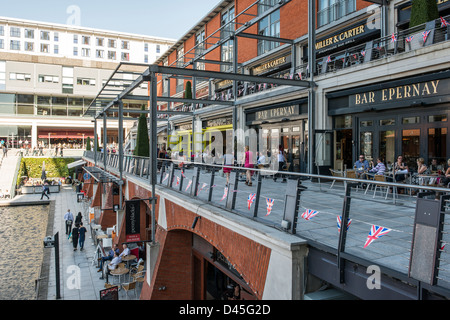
[(38, 189)]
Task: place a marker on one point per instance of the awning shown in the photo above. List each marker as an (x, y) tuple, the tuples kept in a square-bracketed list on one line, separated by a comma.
[(64, 136), (76, 164)]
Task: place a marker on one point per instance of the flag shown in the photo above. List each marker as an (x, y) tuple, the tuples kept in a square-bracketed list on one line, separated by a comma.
[(409, 39), (225, 193), (300, 75), (309, 214), (184, 176), (363, 53), (269, 203), (425, 35), (393, 37), (250, 200), (189, 184), (178, 180), (339, 223), (329, 59), (166, 177), (375, 233), (203, 187), (444, 22)]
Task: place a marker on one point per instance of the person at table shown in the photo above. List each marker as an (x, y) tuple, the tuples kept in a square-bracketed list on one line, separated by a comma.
[(109, 257), (445, 180), (400, 169), (361, 165), (125, 252), (434, 166), (379, 169), (114, 262), (421, 166)]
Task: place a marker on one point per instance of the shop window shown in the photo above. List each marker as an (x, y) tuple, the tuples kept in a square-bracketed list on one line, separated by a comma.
[(368, 123), (387, 122), (411, 146), (332, 10), (438, 118), (341, 122), (411, 120)]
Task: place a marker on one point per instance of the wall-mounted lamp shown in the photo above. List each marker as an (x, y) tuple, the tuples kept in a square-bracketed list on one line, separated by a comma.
[(195, 222), (163, 288)]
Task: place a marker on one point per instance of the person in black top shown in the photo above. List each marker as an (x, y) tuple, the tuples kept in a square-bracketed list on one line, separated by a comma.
[(82, 235), (75, 236)]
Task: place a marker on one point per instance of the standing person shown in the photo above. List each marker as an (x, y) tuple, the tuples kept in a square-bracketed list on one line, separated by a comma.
[(45, 190), (281, 164), (248, 163), (78, 218), (82, 232), (75, 233), (5, 150), (68, 217), (61, 149), (228, 160)]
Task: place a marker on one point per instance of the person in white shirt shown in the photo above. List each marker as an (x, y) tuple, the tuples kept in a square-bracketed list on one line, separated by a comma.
[(125, 252), (114, 262)]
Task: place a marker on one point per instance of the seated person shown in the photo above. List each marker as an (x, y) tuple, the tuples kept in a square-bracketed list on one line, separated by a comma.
[(434, 166), (421, 167), (125, 252), (445, 180), (114, 262), (109, 257), (361, 164), (380, 168), (400, 169)]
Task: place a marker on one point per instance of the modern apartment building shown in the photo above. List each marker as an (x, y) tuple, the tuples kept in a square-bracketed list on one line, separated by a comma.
[(50, 73)]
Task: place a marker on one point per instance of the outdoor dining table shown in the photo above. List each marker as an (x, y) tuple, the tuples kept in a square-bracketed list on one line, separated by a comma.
[(120, 272), (128, 258)]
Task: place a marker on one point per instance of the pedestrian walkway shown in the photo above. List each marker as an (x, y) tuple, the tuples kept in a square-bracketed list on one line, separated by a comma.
[(8, 168), (79, 279)]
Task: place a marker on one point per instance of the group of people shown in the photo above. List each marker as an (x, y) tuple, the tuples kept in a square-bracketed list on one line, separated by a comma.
[(400, 169), (78, 232)]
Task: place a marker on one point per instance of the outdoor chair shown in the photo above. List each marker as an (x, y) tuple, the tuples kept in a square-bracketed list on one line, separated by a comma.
[(128, 287), (335, 173)]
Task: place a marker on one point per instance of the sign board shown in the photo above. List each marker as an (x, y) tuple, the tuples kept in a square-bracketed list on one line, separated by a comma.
[(132, 220), (426, 240), (86, 176), (110, 293)]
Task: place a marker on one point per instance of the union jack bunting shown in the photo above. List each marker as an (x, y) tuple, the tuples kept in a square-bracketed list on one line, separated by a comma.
[(178, 180), (300, 75), (269, 203), (425, 35), (166, 177), (409, 39), (339, 223), (184, 176), (444, 22), (250, 200), (393, 37), (225, 193), (363, 53), (309, 214), (203, 187), (329, 59), (189, 185), (375, 233)]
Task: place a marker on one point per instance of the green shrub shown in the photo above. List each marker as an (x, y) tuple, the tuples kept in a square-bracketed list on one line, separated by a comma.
[(423, 11), (55, 167)]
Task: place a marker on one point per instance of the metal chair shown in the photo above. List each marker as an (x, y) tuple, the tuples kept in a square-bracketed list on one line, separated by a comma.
[(335, 173), (128, 287)]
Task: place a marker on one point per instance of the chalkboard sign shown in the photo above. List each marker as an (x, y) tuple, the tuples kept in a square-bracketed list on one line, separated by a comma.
[(111, 293)]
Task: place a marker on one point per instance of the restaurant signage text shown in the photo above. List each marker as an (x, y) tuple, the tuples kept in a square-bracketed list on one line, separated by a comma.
[(132, 218), (283, 112)]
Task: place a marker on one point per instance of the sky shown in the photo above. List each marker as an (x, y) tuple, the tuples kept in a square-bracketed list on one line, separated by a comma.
[(160, 18)]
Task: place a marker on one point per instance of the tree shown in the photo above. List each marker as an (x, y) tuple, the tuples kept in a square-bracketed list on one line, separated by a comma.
[(423, 11), (188, 90), (142, 141), (88, 144)]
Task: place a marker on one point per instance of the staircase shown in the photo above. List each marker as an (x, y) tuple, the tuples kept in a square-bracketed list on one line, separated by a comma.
[(8, 169)]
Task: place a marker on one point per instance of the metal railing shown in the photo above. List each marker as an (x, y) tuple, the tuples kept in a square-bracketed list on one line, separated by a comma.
[(336, 212)]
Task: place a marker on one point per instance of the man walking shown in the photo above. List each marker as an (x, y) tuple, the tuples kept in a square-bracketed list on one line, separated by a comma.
[(45, 190), (68, 217)]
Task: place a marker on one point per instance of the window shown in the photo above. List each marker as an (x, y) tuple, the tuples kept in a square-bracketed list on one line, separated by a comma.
[(75, 51), (2, 30), (158, 48), (100, 42), (45, 35), (29, 33), (75, 39), (111, 55), (125, 56), (199, 47), (67, 80), (146, 58), (111, 43), (56, 49), (126, 45), (332, 10), (45, 47), (20, 76), (86, 40), (268, 26), (146, 47), (85, 82), (180, 62), (47, 78), (56, 37), (2, 45), (2, 77), (99, 54), (14, 45), (227, 47), (85, 52), (29, 46), (14, 32)]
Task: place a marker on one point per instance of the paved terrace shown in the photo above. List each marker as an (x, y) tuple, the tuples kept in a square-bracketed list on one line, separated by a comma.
[(366, 209)]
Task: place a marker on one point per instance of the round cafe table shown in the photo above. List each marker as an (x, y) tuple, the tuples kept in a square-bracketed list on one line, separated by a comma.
[(119, 272), (128, 258)]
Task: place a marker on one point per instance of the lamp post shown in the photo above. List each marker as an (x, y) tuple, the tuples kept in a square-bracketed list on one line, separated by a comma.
[(50, 242)]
